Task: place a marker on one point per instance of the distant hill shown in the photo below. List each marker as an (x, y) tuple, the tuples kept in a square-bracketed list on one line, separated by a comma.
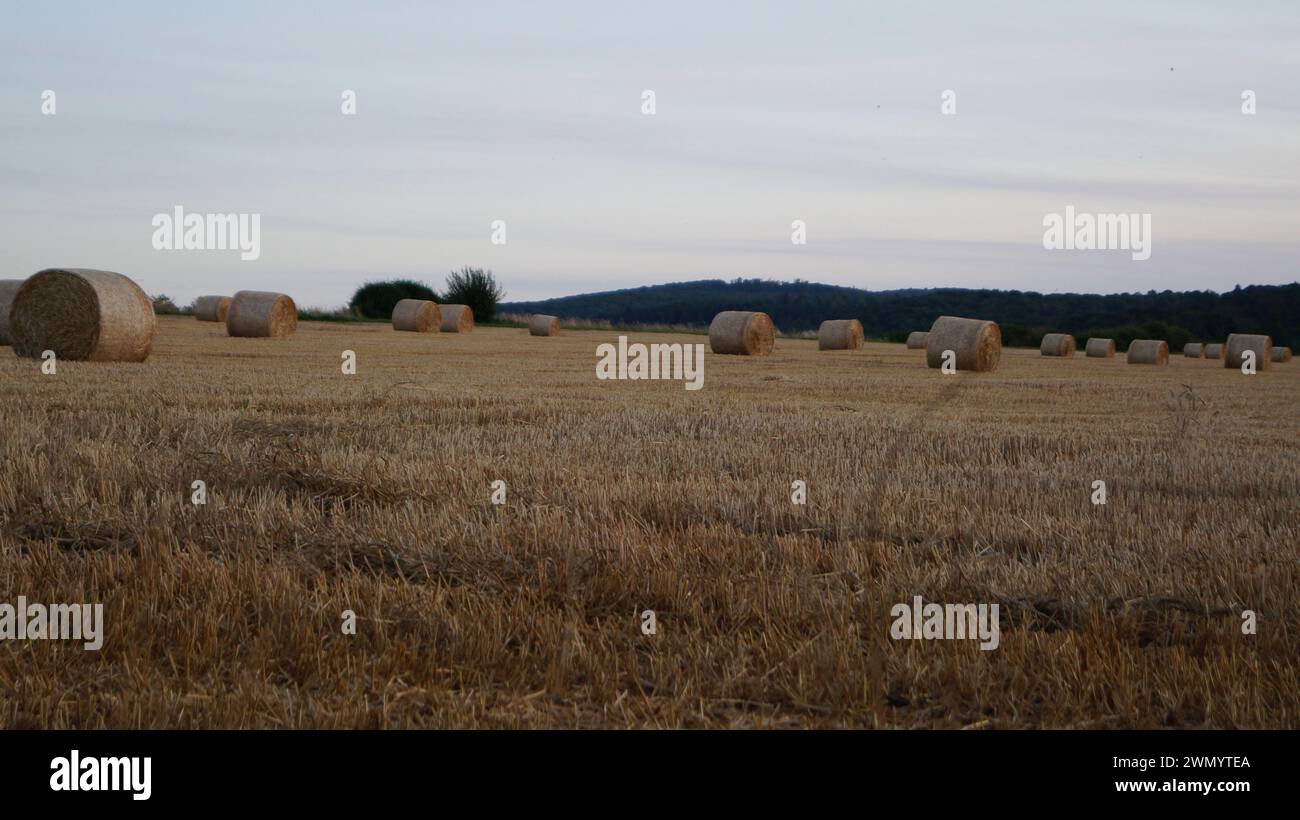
[(1177, 317)]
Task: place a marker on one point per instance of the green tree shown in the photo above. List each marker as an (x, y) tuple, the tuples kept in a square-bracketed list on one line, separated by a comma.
[(375, 300), (478, 289)]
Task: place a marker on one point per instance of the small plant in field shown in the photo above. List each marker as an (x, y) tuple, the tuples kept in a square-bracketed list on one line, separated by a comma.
[(1185, 407), (164, 306)]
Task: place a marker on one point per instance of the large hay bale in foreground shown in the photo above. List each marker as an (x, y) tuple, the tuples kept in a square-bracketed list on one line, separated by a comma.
[(8, 289), (417, 316), (916, 340), (1281, 354), (1234, 350), (742, 332), (1212, 351), (1099, 348), (261, 314), (212, 308), (82, 315), (977, 343), (539, 324), (457, 319), (840, 334), (1148, 351), (1057, 344), (1193, 350)]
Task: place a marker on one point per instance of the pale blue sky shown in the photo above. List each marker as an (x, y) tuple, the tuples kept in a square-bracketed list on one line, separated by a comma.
[(766, 113)]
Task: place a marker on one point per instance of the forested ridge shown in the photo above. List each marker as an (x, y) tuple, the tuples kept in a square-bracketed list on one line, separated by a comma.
[(1024, 316)]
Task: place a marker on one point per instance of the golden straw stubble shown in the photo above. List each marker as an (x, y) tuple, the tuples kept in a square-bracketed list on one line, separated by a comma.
[(1099, 348), (417, 316), (211, 308), (82, 315), (261, 314), (840, 334), (8, 289), (539, 324), (742, 333), (457, 319), (977, 343), (1148, 351), (1057, 344), (1234, 350)]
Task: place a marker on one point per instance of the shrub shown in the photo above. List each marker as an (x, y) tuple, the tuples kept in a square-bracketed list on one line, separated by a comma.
[(478, 289), (164, 306), (375, 300)]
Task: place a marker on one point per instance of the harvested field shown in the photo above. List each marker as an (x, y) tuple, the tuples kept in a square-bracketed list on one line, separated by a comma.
[(372, 493)]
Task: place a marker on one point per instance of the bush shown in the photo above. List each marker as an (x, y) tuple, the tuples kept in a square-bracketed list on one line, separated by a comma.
[(317, 314), (375, 300), (164, 306), (478, 289)]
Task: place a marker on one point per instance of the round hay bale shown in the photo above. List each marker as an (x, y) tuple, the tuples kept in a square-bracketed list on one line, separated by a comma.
[(1099, 348), (540, 324), (840, 334), (1148, 351), (1193, 350), (916, 340), (457, 319), (417, 316), (1234, 353), (1057, 344), (977, 343), (8, 289), (211, 308), (1212, 351), (742, 332), (261, 314), (1281, 354), (82, 315)]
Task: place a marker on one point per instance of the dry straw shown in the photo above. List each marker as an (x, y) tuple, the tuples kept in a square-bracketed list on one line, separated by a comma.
[(977, 343), (1234, 353), (1212, 351), (742, 332), (211, 308), (1057, 344), (417, 316), (1148, 351), (916, 340), (1281, 354), (258, 313), (8, 289), (1099, 348), (457, 319), (840, 334), (1193, 350), (82, 315), (539, 324)]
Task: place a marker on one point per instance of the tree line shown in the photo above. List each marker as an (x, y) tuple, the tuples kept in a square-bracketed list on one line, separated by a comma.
[(1024, 316)]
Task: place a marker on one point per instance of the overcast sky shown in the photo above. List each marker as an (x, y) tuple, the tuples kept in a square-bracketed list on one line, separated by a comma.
[(767, 113)]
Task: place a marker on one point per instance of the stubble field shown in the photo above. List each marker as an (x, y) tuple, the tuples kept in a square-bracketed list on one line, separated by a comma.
[(372, 493)]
